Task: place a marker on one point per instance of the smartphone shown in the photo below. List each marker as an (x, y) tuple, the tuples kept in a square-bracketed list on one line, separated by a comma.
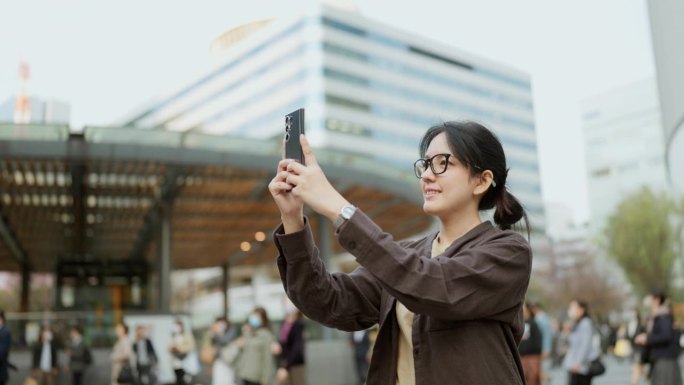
[(294, 127)]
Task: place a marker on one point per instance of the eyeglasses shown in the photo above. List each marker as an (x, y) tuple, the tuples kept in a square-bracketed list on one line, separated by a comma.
[(437, 163)]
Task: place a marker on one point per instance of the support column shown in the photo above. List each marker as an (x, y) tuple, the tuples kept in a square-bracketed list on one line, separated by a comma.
[(224, 286), (164, 249), (325, 246), (25, 288)]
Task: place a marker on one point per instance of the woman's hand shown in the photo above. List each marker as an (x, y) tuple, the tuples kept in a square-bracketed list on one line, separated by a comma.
[(641, 339), (281, 376), (291, 207), (310, 185)]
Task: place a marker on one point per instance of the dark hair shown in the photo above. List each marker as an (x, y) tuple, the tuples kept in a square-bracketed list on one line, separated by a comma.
[(477, 148), (265, 323), (77, 329), (124, 326), (584, 306), (660, 296)]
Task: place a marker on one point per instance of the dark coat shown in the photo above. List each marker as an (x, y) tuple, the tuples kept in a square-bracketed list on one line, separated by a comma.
[(467, 301), (663, 340), (532, 341), (151, 353), (5, 345), (79, 357), (293, 346), (37, 351)]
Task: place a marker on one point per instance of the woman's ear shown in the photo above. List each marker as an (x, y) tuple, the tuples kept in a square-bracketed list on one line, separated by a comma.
[(484, 181)]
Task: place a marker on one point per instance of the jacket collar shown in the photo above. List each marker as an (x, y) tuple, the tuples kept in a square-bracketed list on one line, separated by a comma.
[(460, 242)]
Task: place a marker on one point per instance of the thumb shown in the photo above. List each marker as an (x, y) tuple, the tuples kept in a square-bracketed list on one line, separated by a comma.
[(309, 157)]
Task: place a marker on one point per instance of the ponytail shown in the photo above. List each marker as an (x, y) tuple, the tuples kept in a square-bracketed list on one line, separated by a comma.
[(509, 210)]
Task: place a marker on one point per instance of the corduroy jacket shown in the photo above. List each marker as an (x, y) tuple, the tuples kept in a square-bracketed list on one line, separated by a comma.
[(467, 301)]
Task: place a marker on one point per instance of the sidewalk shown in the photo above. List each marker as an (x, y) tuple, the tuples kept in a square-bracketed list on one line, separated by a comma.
[(617, 373)]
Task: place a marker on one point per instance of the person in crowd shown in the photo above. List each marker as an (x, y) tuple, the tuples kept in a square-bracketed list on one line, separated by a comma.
[(636, 326), (291, 369), (256, 363), (80, 356), (44, 354), (145, 356), (531, 348), (360, 341), (662, 340), (222, 334), (182, 343), (546, 328), (581, 349), (449, 305), (121, 353), (5, 345)]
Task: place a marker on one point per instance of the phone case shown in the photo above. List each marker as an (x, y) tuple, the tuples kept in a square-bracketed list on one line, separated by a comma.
[(294, 126)]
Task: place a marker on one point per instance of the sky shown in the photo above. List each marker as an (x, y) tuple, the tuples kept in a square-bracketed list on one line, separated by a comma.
[(107, 58)]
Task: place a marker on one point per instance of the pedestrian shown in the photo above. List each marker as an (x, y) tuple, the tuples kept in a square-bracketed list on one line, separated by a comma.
[(145, 357), (360, 341), (545, 324), (222, 334), (121, 357), (636, 326), (45, 358), (80, 356), (531, 348), (581, 350), (182, 344), (662, 340), (5, 345), (256, 363), (291, 369), (449, 305)]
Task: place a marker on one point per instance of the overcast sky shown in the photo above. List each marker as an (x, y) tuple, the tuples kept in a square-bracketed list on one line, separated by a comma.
[(108, 57)]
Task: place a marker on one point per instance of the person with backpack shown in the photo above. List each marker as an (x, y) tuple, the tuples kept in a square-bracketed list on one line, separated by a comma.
[(80, 356)]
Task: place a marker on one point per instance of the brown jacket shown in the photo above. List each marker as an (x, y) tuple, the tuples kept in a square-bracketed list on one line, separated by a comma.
[(467, 301)]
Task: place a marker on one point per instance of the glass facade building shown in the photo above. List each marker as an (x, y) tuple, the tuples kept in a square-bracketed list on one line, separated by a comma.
[(369, 89)]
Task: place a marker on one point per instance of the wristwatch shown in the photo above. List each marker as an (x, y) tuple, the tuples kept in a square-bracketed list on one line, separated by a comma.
[(345, 213)]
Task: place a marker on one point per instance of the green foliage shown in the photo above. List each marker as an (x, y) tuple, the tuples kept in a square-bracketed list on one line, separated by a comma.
[(644, 237)]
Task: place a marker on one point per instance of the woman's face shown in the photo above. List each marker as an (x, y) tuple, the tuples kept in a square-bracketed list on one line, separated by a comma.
[(120, 331), (574, 311), (451, 191)]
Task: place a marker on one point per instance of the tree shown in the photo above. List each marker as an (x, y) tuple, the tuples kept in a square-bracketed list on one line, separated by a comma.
[(644, 238)]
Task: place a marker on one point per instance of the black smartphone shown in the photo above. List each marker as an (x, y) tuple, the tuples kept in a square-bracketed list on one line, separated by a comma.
[(294, 127)]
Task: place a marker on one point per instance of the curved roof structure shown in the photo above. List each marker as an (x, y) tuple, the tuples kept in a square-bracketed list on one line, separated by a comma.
[(99, 195)]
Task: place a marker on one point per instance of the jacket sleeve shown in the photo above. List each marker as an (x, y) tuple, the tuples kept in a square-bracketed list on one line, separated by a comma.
[(584, 348), (345, 301), (487, 281), (662, 334), (151, 351)]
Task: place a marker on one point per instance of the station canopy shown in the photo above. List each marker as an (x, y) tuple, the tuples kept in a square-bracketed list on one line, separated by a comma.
[(100, 195)]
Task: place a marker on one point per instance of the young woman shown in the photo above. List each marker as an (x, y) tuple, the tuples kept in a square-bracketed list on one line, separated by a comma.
[(662, 340), (449, 305), (182, 343), (256, 363), (581, 350), (121, 353), (291, 369)]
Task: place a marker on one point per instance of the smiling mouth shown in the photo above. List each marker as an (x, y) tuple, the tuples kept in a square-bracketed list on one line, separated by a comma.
[(431, 193)]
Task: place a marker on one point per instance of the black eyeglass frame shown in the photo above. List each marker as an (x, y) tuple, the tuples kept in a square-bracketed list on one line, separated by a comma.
[(424, 163)]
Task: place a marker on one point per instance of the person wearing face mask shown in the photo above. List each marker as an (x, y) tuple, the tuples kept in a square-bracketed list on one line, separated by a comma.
[(291, 369), (45, 359), (182, 343), (449, 304), (581, 349), (256, 364), (79, 356)]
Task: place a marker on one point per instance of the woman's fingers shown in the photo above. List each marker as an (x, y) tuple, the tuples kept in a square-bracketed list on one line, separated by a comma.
[(309, 157)]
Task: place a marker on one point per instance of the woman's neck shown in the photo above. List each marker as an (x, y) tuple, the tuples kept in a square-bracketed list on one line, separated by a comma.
[(456, 226)]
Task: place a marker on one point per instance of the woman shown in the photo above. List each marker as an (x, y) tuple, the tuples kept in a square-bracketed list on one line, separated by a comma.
[(182, 343), (662, 341), (581, 350), (45, 359), (635, 327), (256, 365), (221, 336), (291, 369), (531, 348), (450, 304), (121, 353)]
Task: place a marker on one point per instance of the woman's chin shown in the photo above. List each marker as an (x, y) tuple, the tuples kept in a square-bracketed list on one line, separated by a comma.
[(430, 208)]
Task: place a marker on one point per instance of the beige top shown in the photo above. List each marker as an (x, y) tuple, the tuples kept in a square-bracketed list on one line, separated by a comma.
[(406, 373)]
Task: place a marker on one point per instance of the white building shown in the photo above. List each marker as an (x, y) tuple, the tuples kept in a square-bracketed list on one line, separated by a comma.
[(41, 111), (624, 147), (668, 33), (368, 89)]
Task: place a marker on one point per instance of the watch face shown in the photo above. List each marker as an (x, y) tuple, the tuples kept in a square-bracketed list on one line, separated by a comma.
[(348, 211)]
